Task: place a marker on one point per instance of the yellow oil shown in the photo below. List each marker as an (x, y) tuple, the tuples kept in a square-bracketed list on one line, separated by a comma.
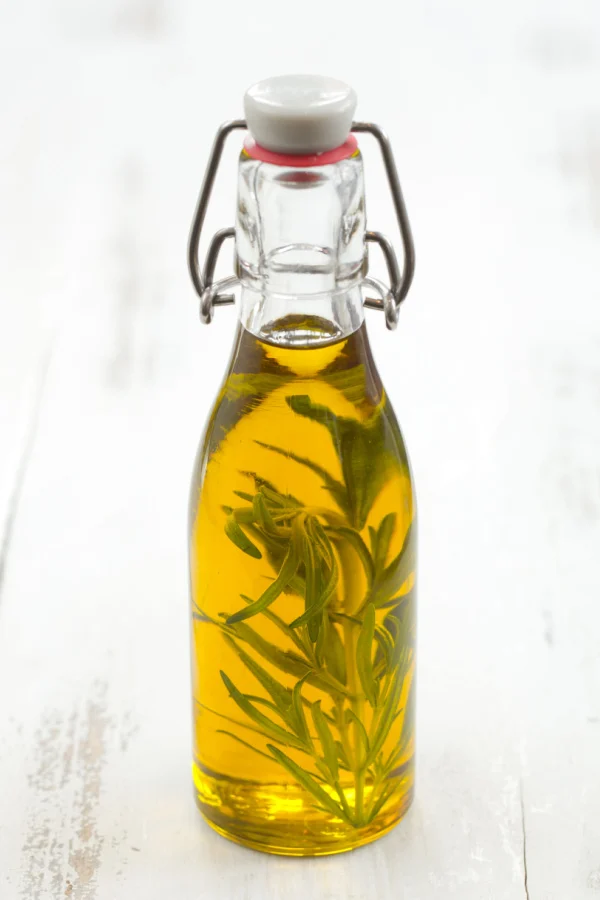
[(303, 732)]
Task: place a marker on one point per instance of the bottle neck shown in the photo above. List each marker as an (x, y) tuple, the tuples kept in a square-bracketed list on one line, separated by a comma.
[(300, 249), (307, 320)]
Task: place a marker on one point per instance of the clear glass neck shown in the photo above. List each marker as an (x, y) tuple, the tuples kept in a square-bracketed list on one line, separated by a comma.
[(300, 247)]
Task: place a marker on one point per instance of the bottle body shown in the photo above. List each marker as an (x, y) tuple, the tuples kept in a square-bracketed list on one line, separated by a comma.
[(302, 562)]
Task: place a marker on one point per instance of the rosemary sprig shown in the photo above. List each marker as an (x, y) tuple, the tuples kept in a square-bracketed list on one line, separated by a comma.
[(353, 644)]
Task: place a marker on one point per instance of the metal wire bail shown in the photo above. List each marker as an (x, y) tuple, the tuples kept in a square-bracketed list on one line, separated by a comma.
[(212, 293)]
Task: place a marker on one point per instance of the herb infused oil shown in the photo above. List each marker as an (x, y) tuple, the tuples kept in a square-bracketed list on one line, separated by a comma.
[(303, 556), (302, 516)]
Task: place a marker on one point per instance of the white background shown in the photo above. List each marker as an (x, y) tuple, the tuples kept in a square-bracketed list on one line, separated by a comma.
[(107, 112)]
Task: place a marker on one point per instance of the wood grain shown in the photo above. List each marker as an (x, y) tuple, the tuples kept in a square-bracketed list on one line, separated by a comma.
[(106, 379)]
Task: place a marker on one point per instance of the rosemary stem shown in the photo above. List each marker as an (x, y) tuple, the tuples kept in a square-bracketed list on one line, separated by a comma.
[(320, 555)]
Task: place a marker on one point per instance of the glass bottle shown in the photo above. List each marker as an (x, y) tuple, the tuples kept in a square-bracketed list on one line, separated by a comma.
[(302, 515)]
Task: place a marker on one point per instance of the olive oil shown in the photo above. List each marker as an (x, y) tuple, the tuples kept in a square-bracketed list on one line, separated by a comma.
[(302, 562)]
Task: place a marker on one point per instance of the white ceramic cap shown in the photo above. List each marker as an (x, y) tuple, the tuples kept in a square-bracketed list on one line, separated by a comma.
[(299, 113)]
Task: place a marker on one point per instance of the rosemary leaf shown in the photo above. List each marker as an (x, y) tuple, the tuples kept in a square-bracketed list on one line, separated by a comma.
[(392, 759), (341, 753), (254, 698), (344, 802), (355, 443), (384, 537), (399, 624), (262, 514), (396, 755), (385, 650), (239, 724), (383, 799), (385, 720), (373, 539), (243, 515), (364, 661), (299, 717), (354, 456), (321, 601), (278, 621), (328, 747), (286, 573), (280, 695), (271, 493), (269, 728), (303, 406), (332, 649), (243, 496), (325, 774), (324, 545), (350, 383), (331, 484), (308, 782), (397, 601), (394, 576), (286, 660), (345, 618), (235, 534), (199, 615), (354, 538), (257, 384)]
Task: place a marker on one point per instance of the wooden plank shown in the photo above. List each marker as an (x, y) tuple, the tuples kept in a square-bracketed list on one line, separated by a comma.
[(498, 351)]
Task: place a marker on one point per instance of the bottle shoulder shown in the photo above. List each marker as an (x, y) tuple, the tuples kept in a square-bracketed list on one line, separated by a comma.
[(334, 385), (320, 429)]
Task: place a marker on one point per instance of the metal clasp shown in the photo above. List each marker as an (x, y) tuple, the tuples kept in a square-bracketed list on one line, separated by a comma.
[(214, 293)]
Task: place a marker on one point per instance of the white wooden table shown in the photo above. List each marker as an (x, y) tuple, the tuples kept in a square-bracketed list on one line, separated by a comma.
[(107, 111)]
